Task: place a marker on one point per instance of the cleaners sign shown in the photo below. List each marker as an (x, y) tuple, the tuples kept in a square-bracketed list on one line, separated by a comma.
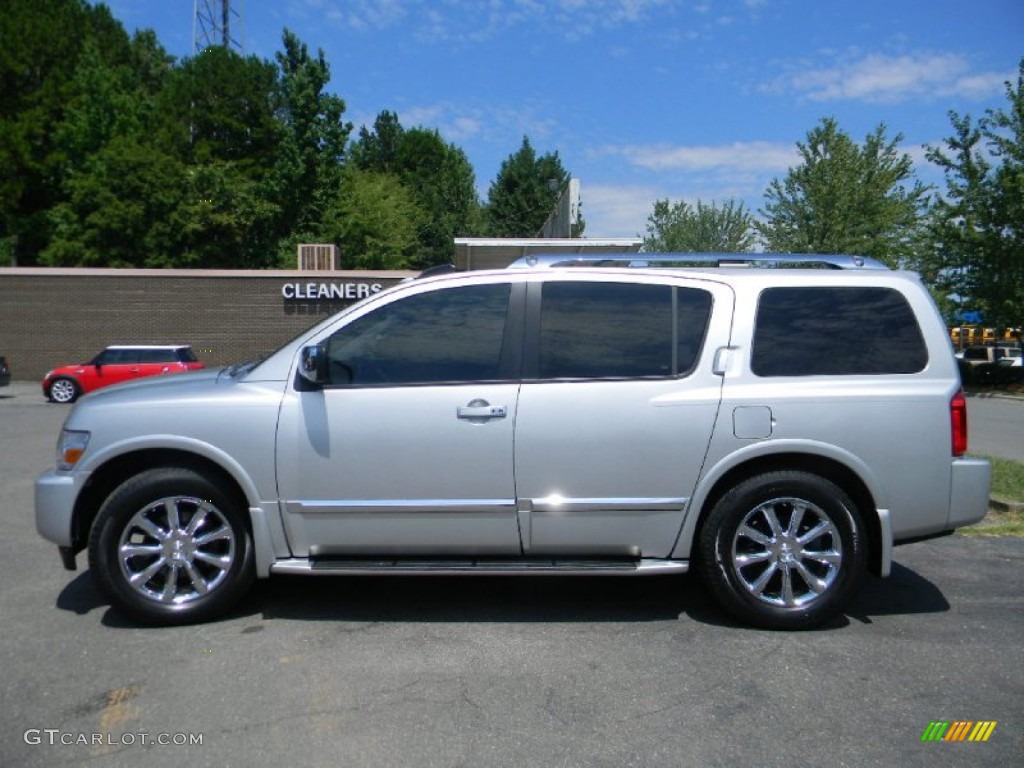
[(329, 291)]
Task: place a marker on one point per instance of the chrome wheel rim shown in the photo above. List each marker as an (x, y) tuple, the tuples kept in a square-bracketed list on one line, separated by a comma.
[(176, 550), (787, 552), (62, 390)]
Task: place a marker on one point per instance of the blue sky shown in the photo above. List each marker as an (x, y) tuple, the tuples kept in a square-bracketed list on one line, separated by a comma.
[(642, 99)]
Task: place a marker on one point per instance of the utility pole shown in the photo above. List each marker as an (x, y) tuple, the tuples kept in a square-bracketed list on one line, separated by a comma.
[(212, 25)]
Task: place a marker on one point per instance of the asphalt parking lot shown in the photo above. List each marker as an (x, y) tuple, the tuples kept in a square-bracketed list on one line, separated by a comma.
[(493, 672)]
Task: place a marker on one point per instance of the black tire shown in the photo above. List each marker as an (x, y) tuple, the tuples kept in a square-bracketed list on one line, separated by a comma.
[(777, 529), (179, 571), (64, 390)]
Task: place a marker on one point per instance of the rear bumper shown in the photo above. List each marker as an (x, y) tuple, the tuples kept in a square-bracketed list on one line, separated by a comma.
[(969, 491)]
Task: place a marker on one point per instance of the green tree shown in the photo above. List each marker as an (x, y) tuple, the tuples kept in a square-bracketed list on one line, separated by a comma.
[(377, 149), (707, 228), (41, 42), (222, 108), (375, 221), (955, 233), (846, 198), (227, 220), (524, 192), (441, 180), (437, 174), (122, 211), (104, 102), (977, 227), (307, 175), (150, 61)]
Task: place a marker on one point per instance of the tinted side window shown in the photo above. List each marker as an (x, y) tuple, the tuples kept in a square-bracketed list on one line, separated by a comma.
[(156, 355), (619, 330), (693, 312), (186, 355), (449, 335), (836, 331), (116, 357)]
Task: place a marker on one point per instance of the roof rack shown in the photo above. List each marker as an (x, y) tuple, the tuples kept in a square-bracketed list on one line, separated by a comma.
[(437, 269), (683, 260)]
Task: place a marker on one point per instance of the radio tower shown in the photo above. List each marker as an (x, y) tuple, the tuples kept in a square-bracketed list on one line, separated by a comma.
[(212, 22)]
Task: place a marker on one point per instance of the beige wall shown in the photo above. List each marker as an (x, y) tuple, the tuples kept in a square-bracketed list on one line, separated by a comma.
[(51, 317)]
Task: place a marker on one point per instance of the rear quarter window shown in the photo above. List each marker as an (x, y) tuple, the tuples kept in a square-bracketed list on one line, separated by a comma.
[(835, 331)]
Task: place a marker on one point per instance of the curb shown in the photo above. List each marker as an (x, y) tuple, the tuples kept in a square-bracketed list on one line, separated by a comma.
[(1003, 505), (995, 396)]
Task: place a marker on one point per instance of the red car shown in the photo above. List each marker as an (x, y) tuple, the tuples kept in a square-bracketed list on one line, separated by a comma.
[(114, 365)]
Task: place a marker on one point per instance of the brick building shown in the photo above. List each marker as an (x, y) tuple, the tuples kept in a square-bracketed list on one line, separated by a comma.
[(51, 317), (55, 316)]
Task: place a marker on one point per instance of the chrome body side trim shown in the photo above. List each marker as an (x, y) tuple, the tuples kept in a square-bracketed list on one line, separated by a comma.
[(479, 567), (386, 506), (559, 504)]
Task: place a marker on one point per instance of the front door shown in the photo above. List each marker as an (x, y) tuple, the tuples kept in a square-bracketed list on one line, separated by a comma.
[(409, 449)]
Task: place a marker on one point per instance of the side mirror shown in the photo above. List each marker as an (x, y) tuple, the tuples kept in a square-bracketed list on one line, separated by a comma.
[(313, 364)]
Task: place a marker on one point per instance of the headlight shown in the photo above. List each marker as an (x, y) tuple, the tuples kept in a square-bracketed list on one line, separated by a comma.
[(70, 448)]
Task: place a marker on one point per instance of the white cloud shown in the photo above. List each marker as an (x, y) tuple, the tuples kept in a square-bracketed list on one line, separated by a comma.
[(371, 14), (739, 171), (617, 211), (738, 156), (473, 21), (463, 128), (880, 78), (431, 116), (621, 210), (458, 122)]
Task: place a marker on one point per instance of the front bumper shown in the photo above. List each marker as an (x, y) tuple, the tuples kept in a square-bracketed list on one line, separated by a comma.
[(969, 491), (55, 494)]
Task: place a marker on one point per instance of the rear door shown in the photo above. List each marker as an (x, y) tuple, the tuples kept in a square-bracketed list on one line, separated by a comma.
[(616, 410)]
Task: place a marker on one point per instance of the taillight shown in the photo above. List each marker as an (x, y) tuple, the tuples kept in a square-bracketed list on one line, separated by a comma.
[(958, 421)]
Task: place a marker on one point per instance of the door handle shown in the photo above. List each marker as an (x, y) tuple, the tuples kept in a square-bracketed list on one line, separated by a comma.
[(481, 409)]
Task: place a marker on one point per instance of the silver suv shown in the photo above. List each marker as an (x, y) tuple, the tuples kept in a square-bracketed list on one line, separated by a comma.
[(778, 430)]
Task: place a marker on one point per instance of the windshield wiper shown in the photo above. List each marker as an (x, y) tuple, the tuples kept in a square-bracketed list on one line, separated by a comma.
[(236, 370)]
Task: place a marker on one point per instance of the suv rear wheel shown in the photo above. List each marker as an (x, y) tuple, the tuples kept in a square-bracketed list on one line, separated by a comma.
[(170, 547), (783, 550)]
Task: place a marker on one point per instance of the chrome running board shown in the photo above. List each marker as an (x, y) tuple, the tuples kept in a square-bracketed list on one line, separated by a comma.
[(354, 566)]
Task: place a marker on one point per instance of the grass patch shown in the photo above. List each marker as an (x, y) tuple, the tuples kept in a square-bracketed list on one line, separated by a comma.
[(1007, 485), (1007, 479), (997, 523)]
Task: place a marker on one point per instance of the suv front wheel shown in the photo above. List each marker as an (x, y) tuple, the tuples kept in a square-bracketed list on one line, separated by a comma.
[(169, 547), (783, 550)]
